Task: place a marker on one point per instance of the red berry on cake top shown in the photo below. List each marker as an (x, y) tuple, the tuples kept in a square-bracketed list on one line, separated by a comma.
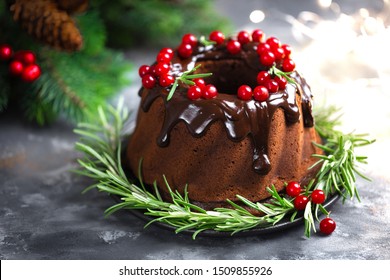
[(233, 47), (217, 37)]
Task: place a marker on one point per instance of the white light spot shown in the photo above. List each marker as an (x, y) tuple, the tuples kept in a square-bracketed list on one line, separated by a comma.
[(257, 16), (325, 3)]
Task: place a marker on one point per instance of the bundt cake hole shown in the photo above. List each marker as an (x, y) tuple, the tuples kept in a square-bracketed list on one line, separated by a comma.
[(229, 75)]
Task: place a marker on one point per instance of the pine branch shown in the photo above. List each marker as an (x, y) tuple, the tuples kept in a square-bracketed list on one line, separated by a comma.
[(76, 84)]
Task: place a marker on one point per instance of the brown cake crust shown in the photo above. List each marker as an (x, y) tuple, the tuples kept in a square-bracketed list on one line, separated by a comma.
[(215, 158), (214, 167)]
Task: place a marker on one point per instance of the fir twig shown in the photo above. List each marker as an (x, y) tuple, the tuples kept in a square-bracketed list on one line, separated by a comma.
[(101, 145)]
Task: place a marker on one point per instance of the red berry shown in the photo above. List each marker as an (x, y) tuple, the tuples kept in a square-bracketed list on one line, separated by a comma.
[(165, 57), (327, 226), (26, 57), (166, 80), (262, 48), (260, 93), (243, 37), (272, 86), (287, 50), (31, 73), (267, 58), (293, 189), (263, 77), (15, 68), (209, 92), (143, 70), (168, 51), (300, 202), (200, 83), (148, 81), (233, 47), (273, 42), (244, 92), (5, 52), (282, 82), (257, 35), (288, 65), (194, 92), (185, 50), (161, 68), (318, 196), (279, 53), (217, 36), (189, 39)]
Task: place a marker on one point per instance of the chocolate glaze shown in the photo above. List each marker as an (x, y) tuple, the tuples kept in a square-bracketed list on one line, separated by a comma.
[(240, 118)]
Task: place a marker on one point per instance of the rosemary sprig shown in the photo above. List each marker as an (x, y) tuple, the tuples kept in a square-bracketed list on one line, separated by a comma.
[(101, 145), (186, 78), (206, 42), (273, 71)]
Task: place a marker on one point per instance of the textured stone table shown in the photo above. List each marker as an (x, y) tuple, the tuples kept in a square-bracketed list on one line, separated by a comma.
[(43, 214)]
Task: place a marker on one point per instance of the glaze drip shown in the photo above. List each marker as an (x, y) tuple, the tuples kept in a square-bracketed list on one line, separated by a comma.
[(240, 118)]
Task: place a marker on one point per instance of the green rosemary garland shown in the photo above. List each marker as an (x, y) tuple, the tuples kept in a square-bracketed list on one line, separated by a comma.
[(101, 146)]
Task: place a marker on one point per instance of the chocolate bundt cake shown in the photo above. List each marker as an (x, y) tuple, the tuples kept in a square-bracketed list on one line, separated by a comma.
[(223, 117)]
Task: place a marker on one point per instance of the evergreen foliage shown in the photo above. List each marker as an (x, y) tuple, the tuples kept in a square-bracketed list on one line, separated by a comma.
[(74, 84)]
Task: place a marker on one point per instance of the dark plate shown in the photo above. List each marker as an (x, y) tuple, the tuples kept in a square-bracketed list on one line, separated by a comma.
[(281, 226)]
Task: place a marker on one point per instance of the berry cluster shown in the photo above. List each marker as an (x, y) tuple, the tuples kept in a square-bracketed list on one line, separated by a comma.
[(21, 64), (158, 72), (201, 89), (188, 43), (293, 189), (272, 54)]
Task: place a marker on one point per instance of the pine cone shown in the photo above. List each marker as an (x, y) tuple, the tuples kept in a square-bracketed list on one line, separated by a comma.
[(43, 19), (73, 6)]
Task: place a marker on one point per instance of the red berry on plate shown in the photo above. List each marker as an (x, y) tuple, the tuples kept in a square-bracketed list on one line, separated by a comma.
[(200, 83), (217, 36), (257, 35), (293, 189), (143, 70), (327, 226), (148, 81), (263, 77), (15, 68), (161, 68), (272, 86), (282, 82), (273, 42), (262, 48), (233, 47), (5, 52), (31, 73), (267, 58), (243, 37), (185, 50), (166, 80), (189, 39), (287, 50), (318, 196), (26, 57), (194, 92), (209, 92), (244, 92), (260, 93), (288, 65), (300, 202)]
